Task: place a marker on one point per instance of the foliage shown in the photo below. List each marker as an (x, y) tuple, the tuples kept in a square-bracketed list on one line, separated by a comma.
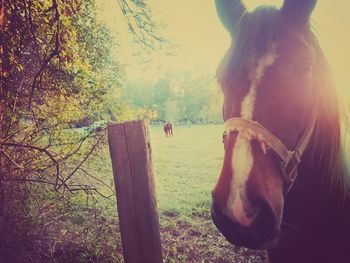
[(57, 74), (50, 79), (179, 97)]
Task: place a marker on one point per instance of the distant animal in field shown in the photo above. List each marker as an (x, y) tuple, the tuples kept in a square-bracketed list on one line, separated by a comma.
[(284, 186), (168, 129)]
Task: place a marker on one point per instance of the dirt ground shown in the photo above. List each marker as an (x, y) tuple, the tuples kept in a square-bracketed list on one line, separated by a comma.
[(201, 242)]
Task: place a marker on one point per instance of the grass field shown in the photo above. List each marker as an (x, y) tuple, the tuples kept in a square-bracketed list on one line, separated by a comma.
[(185, 169)]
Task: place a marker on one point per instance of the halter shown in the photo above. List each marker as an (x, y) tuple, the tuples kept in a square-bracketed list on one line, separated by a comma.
[(289, 158)]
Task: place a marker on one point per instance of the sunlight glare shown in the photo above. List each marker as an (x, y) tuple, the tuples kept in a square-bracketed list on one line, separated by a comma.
[(199, 40)]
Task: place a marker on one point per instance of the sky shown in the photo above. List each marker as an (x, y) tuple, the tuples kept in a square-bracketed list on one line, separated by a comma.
[(199, 41)]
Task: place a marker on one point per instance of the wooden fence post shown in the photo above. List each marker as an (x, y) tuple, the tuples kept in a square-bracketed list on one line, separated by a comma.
[(130, 152)]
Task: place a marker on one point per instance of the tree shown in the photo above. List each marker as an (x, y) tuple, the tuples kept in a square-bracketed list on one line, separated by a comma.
[(178, 96), (162, 93), (55, 72)]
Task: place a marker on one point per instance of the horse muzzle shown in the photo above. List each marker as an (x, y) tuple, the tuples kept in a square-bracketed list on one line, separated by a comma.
[(262, 233)]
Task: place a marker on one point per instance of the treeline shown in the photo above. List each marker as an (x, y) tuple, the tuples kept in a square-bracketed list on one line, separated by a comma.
[(179, 96)]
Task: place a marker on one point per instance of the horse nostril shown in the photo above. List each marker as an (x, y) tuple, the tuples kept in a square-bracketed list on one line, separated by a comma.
[(252, 210)]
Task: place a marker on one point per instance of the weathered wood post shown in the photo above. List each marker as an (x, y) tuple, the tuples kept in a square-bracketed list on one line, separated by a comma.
[(130, 152)]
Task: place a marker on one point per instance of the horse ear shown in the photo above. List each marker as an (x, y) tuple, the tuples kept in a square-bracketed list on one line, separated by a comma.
[(230, 12), (298, 10)]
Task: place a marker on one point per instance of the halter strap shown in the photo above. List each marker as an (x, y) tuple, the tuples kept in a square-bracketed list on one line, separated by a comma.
[(289, 158)]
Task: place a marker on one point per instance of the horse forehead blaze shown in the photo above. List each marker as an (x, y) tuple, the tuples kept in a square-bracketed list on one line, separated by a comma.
[(242, 158)]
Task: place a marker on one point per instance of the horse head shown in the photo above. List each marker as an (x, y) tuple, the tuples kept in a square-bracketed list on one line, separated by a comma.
[(269, 79)]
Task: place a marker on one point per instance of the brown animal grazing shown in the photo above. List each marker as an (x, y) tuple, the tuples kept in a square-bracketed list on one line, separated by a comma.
[(168, 129)]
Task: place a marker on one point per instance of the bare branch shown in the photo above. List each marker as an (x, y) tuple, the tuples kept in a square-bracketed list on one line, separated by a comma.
[(54, 53), (11, 160), (29, 180), (83, 161), (140, 23), (49, 154)]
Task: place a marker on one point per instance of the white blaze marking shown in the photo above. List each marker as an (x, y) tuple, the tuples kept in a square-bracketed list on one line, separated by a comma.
[(242, 158), (247, 106)]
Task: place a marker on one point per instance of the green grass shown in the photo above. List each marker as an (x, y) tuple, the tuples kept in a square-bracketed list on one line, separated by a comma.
[(186, 167)]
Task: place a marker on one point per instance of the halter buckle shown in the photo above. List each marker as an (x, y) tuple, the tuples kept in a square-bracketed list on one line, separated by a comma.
[(289, 168)]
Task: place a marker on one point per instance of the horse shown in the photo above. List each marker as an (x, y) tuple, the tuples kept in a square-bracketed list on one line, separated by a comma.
[(168, 129), (284, 182)]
